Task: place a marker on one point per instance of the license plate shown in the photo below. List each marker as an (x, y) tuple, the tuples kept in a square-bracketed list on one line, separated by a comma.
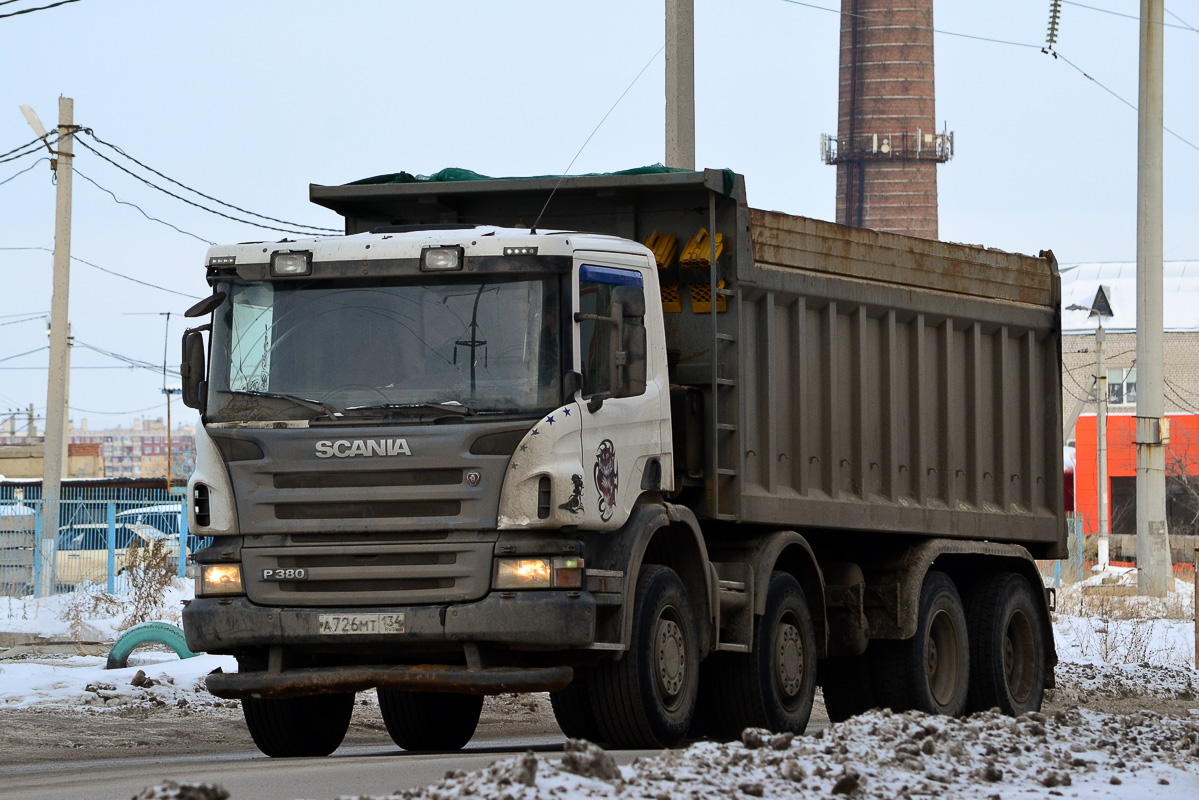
[(360, 623)]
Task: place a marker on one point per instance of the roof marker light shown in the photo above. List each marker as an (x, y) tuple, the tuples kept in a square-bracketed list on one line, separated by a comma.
[(520, 251)]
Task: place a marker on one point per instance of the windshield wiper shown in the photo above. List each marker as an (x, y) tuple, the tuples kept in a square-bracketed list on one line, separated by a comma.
[(452, 407), (312, 405)]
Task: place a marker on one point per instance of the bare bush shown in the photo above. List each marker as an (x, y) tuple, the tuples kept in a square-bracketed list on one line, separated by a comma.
[(149, 571)]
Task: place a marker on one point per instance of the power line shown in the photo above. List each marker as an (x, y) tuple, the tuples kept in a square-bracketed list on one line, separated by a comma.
[(915, 27), (144, 166), (130, 411), (26, 353), (37, 141), (1126, 16), (1179, 137), (168, 192), (139, 208), (19, 321), (131, 361), (111, 272), (1188, 25), (22, 172), (16, 156), (39, 8), (24, 314)]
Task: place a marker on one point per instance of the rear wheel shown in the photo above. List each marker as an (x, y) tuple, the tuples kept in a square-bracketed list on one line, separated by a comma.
[(313, 725), (774, 686), (433, 721), (647, 698), (929, 672), (1007, 647)]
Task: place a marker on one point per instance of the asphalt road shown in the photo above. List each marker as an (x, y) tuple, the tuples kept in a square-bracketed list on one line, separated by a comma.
[(249, 775)]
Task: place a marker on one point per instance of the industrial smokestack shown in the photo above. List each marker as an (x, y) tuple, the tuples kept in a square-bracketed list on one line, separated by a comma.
[(887, 148)]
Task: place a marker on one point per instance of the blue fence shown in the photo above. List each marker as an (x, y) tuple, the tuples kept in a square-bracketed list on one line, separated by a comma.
[(86, 537)]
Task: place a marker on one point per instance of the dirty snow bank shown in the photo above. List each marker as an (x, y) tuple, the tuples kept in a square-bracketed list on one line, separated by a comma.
[(81, 682), (89, 614), (875, 755)]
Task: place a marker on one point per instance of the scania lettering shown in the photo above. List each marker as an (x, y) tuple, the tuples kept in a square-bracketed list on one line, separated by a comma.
[(670, 458), (373, 447)]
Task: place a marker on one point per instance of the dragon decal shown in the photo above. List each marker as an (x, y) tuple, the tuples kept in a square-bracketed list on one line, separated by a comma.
[(606, 478)]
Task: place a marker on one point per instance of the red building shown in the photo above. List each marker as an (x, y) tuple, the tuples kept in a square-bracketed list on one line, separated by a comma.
[(1182, 483)]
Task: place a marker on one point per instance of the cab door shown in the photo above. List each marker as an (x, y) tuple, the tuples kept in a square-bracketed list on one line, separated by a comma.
[(620, 410)]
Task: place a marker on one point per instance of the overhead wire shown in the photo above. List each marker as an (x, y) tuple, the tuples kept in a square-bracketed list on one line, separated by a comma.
[(22, 172), (200, 206), (130, 360), (148, 168), (1122, 14), (914, 27), (26, 353), (33, 318), (15, 156), (140, 209), (39, 8), (111, 272), (36, 141)]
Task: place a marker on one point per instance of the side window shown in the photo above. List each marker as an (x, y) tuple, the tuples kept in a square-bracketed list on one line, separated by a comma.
[(601, 339), (595, 338)]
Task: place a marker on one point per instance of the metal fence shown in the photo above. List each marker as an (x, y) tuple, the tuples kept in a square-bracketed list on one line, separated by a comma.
[(1073, 568), (86, 537)]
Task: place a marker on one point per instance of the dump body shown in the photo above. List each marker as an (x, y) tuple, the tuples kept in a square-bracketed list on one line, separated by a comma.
[(850, 380)]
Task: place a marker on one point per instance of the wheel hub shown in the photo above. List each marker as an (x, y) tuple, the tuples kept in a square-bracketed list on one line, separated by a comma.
[(789, 660), (670, 655)]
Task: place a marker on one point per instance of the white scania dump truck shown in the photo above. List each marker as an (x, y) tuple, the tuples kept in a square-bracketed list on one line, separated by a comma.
[(672, 459)]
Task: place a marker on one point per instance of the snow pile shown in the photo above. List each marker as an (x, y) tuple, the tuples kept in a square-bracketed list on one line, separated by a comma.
[(156, 680), (875, 755), (89, 614)]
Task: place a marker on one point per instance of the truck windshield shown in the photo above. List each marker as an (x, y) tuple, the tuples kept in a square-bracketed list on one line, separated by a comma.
[(310, 349)]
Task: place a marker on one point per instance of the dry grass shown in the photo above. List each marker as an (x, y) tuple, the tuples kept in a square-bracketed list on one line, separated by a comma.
[(150, 569)]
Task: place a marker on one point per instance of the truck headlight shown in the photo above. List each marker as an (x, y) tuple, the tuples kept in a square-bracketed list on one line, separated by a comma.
[(218, 579), (539, 573)]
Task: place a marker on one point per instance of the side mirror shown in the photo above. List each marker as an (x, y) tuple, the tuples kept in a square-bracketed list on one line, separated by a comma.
[(192, 369)]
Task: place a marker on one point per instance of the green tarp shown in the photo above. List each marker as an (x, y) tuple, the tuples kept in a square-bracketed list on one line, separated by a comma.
[(452, 174)]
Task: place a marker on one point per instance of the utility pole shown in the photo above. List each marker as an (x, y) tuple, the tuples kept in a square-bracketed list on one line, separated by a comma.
[(56, 386), (680, 84), (1105, 522), (1153, 431)]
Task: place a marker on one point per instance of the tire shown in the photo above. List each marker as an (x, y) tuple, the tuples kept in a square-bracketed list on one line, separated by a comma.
[(313, 725), (147, 633), (773, 686), (1007, 646), (430, 721), (931, 671), (847, 686), (572, 709), (647, 698)]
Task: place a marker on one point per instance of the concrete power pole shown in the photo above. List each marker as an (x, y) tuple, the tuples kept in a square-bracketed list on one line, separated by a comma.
[(1105, 521), (1153, 432), (680, 84), (56, 386)]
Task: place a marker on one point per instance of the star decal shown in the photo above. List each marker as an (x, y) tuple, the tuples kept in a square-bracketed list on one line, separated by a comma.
[(523, 447), (536, 432), (550, 419), (513, 465), (566, 411)]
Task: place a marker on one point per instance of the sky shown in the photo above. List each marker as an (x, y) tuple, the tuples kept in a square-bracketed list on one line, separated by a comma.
[(250, 101)]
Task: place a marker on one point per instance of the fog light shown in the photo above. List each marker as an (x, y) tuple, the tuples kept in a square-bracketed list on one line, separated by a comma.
[(284, 262), (523, 573), (441, 258), (217, 579)]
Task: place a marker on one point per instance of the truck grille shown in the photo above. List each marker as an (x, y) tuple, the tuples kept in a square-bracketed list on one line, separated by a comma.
[(371, 574), (376, 509)]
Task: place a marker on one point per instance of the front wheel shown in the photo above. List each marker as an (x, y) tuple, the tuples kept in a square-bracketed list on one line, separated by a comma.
[(432, 721), (313, 725), (774, 686), (1007, 646), (647, 698)]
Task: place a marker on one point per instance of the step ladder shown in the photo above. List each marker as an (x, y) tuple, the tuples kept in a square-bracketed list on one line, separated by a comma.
[(726, 448)]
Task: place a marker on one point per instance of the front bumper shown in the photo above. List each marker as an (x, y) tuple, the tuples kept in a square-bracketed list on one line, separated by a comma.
[(425, 678), (543, 619)]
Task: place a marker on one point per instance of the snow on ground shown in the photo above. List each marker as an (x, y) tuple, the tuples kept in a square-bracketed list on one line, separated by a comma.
[(153, 680), (89, 614), (875, 755)]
